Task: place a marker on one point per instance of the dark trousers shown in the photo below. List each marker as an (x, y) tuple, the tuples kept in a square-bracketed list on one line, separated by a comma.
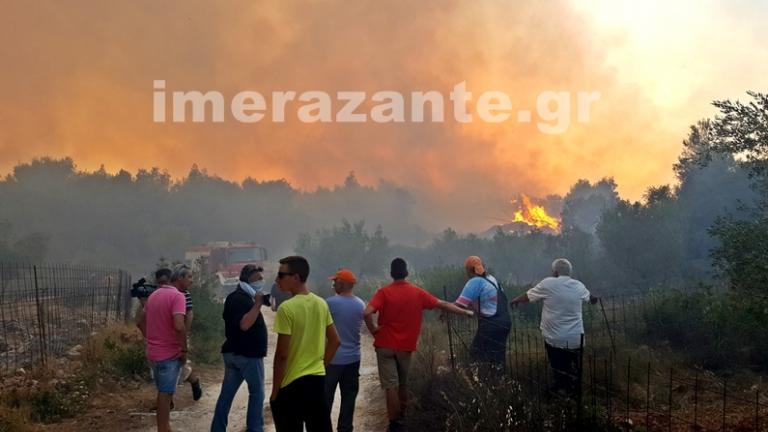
[(565, 367), (347, 377), (300, 403), (490, 344)]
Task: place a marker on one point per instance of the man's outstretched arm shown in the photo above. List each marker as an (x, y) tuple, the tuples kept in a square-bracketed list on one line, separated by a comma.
[(522, 298), (452, 308)]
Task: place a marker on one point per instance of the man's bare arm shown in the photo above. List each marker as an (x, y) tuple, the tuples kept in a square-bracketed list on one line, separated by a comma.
[(332, 343), (522, 298), (247, 321), (372, 327), (369, 310), (180, 326), (188, 320), (452, 308), (280, 363)]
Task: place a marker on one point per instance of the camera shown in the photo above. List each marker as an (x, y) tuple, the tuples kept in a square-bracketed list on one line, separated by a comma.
[(141, 289)]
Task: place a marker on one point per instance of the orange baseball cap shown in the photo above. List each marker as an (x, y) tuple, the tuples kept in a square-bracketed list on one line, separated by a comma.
[(344, 275), (475, 264)]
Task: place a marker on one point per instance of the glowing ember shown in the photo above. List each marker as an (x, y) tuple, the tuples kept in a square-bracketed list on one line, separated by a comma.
[(535, 216)]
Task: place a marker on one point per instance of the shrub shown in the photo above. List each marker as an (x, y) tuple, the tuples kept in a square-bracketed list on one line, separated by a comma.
[(48, 403), (463, 401), (12, 420), (118, 351), (716, 330), (433, 279), (56, 403), (207, 332)]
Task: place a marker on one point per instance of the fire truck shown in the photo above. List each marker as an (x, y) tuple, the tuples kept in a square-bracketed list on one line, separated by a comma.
[(225, 259)]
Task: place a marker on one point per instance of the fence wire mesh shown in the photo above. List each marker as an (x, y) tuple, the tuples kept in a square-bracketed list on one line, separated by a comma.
[(46, 310), (619, 386)]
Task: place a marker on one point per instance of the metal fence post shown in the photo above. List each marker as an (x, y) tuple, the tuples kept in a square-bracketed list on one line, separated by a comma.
[(609, 387), (629, 371), (648, 397), (696, 400), (40, 323), (126, 289), (725, 397), (450, 332), (106, 300), (669, 408), (757, 409), (592, 364)]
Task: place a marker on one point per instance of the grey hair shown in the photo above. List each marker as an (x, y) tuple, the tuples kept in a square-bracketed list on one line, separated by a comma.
[(562, 267), (180, 271)]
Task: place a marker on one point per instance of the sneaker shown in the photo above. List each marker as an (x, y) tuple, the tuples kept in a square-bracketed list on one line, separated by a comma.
[(197, 391)]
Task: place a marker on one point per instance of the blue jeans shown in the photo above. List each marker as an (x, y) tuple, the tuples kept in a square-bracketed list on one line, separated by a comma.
[(236, 369), (166, 375)]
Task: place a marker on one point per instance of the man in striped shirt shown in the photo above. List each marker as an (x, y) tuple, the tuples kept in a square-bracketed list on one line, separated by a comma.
[(187, 373)]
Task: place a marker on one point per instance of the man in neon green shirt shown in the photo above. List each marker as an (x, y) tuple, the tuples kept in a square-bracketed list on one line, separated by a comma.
[(303, 323)]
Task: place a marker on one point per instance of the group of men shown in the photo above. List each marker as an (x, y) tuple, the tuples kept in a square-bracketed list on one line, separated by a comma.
[(318, 340)]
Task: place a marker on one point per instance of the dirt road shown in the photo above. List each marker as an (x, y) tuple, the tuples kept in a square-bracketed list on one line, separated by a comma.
[(370, 412)]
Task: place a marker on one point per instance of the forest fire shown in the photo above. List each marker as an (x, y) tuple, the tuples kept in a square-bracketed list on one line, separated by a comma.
[(534, 215)]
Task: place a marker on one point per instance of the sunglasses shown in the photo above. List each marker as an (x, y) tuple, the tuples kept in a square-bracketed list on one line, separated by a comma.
[(281, 275)]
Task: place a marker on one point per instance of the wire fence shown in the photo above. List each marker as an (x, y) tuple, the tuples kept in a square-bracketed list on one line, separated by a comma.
[(619, 383), (46, 310)]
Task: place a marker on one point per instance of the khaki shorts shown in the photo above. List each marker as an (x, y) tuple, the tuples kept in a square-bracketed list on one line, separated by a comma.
[(393, 367)]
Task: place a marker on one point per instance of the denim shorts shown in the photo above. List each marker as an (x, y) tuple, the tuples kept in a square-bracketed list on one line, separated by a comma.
[(167, 375)]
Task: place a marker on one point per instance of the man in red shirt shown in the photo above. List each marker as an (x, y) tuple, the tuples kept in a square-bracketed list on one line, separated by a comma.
[(399, 306)]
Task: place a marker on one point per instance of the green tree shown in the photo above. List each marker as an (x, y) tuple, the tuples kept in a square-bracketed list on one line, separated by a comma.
[(741, 131), (348, 245), (642, 242)]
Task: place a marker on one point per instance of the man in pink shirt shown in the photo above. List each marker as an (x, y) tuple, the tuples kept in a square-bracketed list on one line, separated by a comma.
[(167, 339)]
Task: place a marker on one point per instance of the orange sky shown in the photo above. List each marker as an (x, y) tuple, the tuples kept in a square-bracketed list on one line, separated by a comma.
[(76, 80)]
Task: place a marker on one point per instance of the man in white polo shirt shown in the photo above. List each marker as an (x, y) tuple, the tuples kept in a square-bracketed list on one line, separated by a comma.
[(561, 322)]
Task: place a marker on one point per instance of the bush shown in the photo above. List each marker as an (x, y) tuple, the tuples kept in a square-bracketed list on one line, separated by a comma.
[(366, 287), (57, 403), (43, 403), (118, 351), (434, 279), (125, 360), (207, 332), (715, 330), (12, 420), (462, 400)]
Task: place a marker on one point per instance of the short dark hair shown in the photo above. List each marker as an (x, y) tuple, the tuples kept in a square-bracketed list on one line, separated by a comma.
[(398, 269), (297, 265), (247, 271), (163, 272)]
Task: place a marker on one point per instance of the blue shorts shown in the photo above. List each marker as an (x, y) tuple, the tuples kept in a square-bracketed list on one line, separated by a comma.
[(167, 375)]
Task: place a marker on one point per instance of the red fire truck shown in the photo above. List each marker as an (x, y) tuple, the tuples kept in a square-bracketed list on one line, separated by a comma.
[(226, 259)]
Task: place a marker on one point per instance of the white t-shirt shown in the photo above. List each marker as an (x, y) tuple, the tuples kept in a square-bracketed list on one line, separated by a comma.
[(561, 322)]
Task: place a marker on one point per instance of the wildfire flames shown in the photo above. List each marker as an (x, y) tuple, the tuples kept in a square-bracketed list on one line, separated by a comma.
[(534, 215)]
